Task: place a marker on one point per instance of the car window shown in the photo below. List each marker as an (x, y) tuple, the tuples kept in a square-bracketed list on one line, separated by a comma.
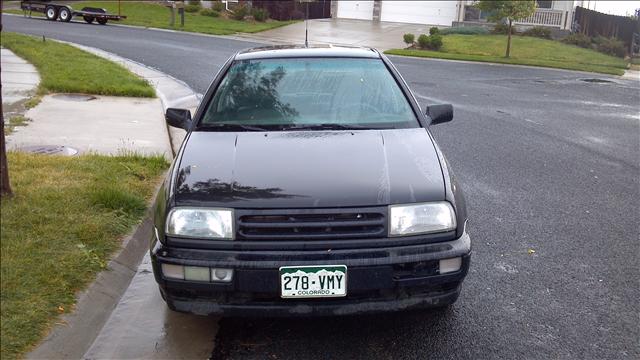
[(289, 93)]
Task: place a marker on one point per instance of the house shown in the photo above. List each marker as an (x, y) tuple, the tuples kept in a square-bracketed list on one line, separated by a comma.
[(555, 14)]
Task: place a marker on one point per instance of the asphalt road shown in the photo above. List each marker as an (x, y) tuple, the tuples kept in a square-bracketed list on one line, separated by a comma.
[(550, 165)]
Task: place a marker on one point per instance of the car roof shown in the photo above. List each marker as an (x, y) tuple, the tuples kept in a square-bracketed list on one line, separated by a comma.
[(301, 51)]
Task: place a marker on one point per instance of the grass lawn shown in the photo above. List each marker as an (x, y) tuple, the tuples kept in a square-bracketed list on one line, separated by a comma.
[(149, 14), (64, 68), (67, 216), (524, 51)]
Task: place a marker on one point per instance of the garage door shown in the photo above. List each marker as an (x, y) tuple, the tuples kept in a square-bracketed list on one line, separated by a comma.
[(419, 12), (355, 10)]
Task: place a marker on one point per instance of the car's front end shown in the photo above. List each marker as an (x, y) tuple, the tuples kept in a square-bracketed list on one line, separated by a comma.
[(379, 277), (257, 219)]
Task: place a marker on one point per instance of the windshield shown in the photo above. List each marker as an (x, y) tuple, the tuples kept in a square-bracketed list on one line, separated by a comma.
[(322, 93)]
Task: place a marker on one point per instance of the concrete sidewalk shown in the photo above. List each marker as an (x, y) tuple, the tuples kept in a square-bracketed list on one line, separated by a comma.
[(632, 75), (171, 91), (101, 124), (19, 81)]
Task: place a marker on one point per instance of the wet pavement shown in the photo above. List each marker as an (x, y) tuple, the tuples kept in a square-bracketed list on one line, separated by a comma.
[(380, 35), (142, 327), (551, 172)]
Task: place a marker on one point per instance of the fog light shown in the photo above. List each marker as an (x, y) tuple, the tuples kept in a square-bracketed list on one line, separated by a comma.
[(450, 265), (223, 275), (173, 271), (196, 273)]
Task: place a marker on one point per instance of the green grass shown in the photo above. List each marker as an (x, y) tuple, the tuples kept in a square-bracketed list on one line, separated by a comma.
[(148, 14), (524, 51), (64, 68), (67, 216), (11, 123)]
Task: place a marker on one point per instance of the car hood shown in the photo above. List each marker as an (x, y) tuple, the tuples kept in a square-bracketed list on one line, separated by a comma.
[(308, 169)]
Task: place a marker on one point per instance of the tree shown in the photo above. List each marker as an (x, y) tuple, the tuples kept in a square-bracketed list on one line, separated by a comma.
[(5, 187), (508, 10)]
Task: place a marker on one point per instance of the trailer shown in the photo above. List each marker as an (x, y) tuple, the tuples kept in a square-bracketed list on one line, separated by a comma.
[(54, 11)]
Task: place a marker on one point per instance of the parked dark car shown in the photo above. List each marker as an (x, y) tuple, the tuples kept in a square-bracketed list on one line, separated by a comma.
[(309, 184)]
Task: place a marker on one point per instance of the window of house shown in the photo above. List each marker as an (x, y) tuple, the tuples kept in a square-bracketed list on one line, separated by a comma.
[(544, 4)]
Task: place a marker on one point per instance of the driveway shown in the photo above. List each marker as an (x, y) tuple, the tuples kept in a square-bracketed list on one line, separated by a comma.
[(549, 161), (379, 35)]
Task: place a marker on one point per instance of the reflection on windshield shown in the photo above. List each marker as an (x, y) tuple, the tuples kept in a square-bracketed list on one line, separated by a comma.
[(250, 93), (310, 91)]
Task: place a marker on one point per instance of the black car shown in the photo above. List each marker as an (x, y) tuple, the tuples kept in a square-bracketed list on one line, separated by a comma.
[(309, 184)]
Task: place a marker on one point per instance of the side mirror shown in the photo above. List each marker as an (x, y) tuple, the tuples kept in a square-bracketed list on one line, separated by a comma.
[(440, 113), (180, 118)]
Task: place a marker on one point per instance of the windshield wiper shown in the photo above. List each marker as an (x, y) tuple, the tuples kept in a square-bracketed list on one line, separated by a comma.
[(325, 127), (231, 127)]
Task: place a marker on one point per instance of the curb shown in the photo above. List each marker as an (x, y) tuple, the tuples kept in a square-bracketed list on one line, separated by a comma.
[(586, 73), (76, 331), (79, 329), (171, 91)]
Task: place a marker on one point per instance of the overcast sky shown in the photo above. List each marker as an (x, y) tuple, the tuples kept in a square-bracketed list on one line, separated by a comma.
[(613, 7)]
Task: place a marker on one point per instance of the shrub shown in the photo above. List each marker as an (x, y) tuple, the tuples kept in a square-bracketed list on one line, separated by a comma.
[(423, 41), (209, 12), (240, 12), (465, 30), (434, 30), (435, 42), (192, 8), (218, 6), (612, 46), (409, 39), (578, 40), (194, 2), (538, 31), (260, 14)]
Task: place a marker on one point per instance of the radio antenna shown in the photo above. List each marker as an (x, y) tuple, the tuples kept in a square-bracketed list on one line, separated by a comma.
[(306, 27)]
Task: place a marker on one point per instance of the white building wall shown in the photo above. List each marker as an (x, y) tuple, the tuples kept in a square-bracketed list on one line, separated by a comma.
[(362, 10), (419, 12)]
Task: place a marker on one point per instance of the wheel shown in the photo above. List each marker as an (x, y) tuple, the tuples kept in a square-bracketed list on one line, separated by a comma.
[(65, 14), (51, 13), (88, 19), (102, 21)]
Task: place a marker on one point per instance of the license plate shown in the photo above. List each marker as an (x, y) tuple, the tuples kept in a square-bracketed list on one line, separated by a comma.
[(313, 281)]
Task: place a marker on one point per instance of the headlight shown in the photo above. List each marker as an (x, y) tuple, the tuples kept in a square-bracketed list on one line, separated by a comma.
[(421, 218), (201, 223)]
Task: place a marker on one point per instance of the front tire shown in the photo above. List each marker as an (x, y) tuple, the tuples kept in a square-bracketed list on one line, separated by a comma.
[(65, 14), (88, 19), (51, 13)]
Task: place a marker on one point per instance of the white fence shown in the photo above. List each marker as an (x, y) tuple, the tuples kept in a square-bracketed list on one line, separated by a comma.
[(546, 17)]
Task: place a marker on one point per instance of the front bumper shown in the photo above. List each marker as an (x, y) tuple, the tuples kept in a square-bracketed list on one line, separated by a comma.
[(380, 279)]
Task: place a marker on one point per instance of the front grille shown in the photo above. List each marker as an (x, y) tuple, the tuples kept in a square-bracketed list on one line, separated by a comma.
[(316, 224)]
